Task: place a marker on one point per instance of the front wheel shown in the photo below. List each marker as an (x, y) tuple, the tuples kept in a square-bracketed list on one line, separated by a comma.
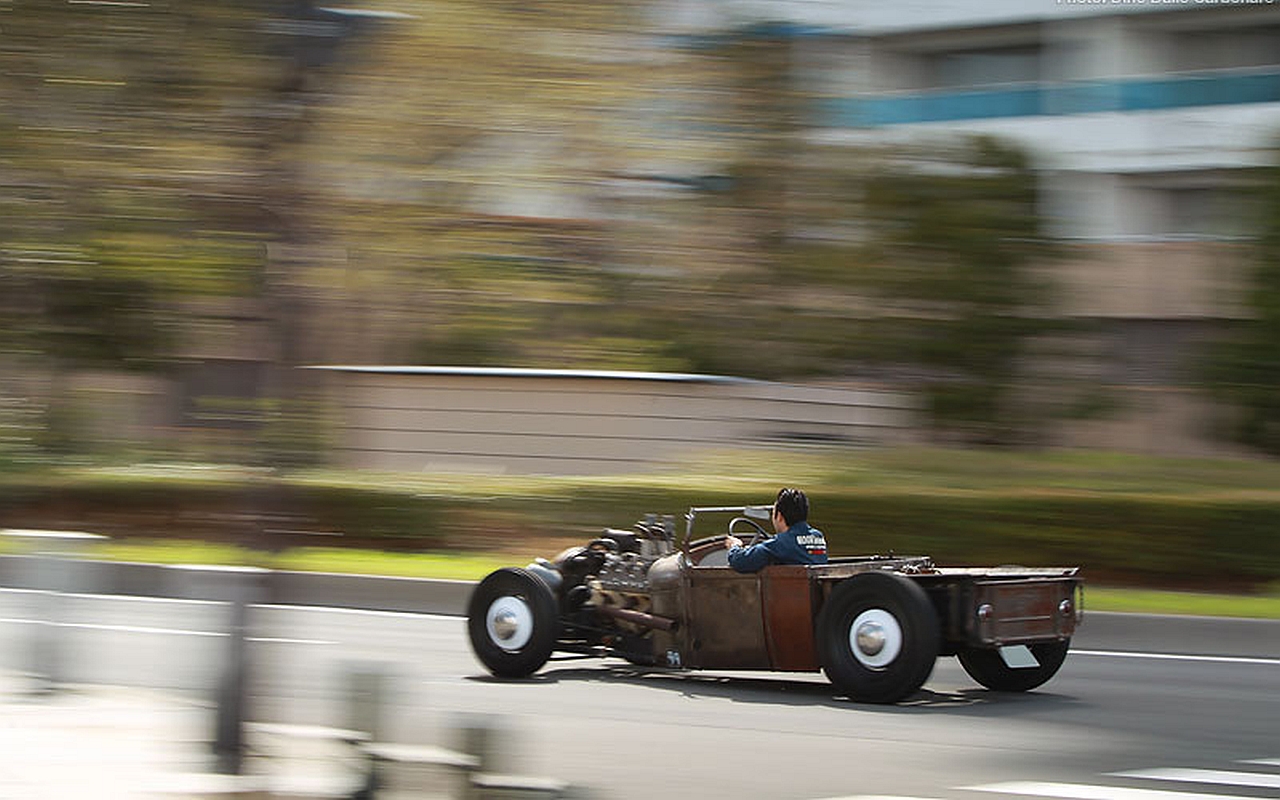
[(987, 667), (878, 637), (513, 622)]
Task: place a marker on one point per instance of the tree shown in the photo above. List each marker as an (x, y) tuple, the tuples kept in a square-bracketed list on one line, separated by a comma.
[(121, 133), (954, 238), (1243, 369)]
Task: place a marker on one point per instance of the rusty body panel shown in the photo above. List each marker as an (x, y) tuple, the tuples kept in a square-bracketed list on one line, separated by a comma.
[(787, 596), (760, 620), (725, 620), (1022, 610), (840, 568), (997, 607)]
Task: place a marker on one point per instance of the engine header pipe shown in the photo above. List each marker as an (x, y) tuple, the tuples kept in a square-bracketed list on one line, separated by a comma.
[(639, 618)]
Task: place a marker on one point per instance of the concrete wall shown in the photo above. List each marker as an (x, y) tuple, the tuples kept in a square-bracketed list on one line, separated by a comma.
[(1152, 280), (578, 422), (1156, 421)]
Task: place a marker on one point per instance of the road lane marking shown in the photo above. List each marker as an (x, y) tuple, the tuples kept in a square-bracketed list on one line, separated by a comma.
[(1075, 791), (363, 611), (93, 626), (877, 797), (1178, 657), (104, 627), (110, 598), (1219, 776), (1081, 791), (129, 598), (138, 598)]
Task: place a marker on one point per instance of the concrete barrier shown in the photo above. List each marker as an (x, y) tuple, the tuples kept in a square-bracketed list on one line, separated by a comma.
[(377, 593), (281, 587)]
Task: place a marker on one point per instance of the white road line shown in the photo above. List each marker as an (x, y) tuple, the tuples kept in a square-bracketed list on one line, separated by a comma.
[(122, 598), (165, 631), (139, 598), (1218, 776), (288, 607), (101, 627), (1266, 762), (876, 797), (1077, 791), (362, 611), (1177, 657)]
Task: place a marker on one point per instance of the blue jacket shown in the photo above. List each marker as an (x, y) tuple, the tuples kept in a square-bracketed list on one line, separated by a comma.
[(799, 544)]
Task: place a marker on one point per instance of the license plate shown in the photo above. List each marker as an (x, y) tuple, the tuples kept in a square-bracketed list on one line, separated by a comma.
[(1018, 656)]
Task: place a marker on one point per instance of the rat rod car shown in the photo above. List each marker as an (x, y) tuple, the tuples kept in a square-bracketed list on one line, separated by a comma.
[(874, 624)]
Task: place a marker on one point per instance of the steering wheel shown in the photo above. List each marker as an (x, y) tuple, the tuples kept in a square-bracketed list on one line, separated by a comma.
[(759, 535)]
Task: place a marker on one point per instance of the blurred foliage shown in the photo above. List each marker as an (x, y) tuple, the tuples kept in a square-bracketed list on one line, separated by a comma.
[(18, 423), (527, 185), (550, 189), (955, 241), (1243, 368), (120, 127)]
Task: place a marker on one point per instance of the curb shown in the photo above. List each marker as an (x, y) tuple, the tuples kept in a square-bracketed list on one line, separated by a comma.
[(279, 587)]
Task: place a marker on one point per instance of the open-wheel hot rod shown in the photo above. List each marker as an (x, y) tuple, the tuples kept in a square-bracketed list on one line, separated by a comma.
[(873, 624)]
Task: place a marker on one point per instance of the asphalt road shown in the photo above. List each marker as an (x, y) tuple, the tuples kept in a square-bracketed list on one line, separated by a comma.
[(1120, 704)]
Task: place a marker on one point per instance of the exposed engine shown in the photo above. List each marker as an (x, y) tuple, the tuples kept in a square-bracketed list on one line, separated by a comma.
[(606, 596)]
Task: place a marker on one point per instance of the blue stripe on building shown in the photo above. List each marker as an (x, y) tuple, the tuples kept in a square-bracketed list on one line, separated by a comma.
[(1184, 91)]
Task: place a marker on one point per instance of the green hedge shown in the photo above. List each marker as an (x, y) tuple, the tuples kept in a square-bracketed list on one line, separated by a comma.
[(1182, 541), (1211, 540)]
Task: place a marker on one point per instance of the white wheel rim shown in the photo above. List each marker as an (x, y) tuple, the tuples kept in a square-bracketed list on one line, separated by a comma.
[(509, 622), (875, 638)]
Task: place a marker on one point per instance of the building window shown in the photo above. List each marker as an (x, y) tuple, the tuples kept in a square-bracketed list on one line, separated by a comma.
[(1204, 213), (986, 67), (1236, 48)]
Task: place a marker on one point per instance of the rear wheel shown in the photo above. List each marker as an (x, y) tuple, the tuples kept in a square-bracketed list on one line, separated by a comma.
[(513, 622), (988, 668), (877, 637)]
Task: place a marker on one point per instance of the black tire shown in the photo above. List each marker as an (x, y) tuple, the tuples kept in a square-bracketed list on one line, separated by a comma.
[(887, 608), (513, 621), (987, 667)]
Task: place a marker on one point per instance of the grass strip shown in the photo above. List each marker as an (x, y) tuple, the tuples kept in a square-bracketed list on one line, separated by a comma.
[(1141, 601)]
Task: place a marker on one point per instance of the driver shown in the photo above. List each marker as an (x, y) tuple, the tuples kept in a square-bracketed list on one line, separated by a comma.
[(796, 542)]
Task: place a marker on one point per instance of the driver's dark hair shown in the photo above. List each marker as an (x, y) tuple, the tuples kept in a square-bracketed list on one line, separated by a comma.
[(792, 505)]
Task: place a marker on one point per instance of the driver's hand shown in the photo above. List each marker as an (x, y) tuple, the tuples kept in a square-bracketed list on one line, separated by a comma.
[(731, 542)]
